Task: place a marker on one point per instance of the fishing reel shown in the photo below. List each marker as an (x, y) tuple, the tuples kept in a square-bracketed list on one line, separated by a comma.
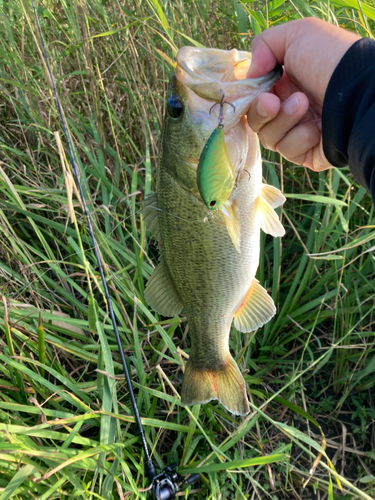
[(165, 484)]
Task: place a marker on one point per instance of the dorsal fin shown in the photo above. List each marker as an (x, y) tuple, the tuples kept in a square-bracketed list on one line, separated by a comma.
[(151, 215), (161, 294)]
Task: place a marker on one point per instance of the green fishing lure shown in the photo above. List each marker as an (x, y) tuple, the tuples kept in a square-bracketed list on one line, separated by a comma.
[(215, 173)]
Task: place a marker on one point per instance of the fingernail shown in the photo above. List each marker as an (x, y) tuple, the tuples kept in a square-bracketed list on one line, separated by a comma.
[(291, 106), (319, 125), (261, 111)]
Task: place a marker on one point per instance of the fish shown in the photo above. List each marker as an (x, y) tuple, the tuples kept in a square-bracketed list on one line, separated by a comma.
[(208, 259)]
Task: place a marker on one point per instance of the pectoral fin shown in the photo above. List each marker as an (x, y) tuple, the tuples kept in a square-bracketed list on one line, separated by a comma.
[(268, 199), (273, 195), (161, 294), (256, 309), (233, 224), (150, 214)]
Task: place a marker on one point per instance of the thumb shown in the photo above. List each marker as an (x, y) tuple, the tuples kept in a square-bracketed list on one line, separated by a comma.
[(263, 60), (270, 46)]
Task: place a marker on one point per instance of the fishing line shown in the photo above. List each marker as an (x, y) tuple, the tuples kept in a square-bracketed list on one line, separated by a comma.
[(165, 484)]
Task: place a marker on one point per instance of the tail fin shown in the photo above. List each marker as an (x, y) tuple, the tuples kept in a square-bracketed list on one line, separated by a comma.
[(227, 385)]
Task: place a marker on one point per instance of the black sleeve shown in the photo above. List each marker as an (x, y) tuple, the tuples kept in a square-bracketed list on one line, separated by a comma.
[(348, 117)]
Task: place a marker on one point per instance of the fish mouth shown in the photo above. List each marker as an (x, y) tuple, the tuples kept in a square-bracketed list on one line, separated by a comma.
[(209, 74)]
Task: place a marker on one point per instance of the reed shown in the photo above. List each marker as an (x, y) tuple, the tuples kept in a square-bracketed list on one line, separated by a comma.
[(65, 414)]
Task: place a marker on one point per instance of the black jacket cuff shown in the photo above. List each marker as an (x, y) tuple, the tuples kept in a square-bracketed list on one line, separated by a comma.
[(348, 117)]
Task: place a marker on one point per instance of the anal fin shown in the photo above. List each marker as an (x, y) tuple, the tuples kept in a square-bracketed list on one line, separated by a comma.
[(226, 385), (161, 294), (256, 309)]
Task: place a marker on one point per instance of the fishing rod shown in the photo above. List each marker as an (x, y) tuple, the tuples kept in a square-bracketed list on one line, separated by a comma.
[(164, 485)]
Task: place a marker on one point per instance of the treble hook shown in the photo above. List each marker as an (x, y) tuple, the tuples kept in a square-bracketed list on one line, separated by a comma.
[(221, 113)]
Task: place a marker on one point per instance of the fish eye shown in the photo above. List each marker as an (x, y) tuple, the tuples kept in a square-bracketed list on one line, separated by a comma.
[(212, 203), (174, 106)]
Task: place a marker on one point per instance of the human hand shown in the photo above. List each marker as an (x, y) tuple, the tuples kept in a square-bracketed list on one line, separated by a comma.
[(289, 119)]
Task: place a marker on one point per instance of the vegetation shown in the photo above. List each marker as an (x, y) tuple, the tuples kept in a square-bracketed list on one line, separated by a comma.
[(67, 429)]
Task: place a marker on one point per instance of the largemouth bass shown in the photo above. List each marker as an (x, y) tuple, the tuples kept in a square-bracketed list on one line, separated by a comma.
[(208, 259)]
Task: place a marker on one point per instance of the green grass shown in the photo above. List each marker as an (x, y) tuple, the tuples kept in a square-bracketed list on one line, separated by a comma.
[(66, 423)]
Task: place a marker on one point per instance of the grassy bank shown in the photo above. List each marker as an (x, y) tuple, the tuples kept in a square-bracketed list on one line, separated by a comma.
[(65, 415)]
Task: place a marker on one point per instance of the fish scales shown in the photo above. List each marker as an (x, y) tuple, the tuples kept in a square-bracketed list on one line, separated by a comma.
[(208, 260)]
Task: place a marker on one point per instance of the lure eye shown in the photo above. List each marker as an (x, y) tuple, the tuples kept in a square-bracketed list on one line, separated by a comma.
[(174, 106), (212, 203)]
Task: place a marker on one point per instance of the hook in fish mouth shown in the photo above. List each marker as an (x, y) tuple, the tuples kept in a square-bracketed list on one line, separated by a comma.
[(221, 113)]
